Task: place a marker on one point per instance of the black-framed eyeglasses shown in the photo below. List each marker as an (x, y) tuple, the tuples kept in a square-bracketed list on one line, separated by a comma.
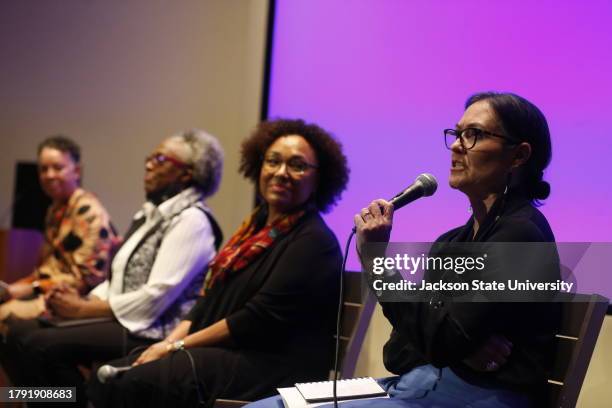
[(296, 167), (160, 158), (468, 137)]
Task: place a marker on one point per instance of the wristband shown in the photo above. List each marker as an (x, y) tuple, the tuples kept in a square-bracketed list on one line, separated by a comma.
[(176, 346)]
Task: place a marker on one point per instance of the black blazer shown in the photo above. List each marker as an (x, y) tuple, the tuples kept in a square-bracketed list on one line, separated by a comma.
[(281, 309), (444, 335)]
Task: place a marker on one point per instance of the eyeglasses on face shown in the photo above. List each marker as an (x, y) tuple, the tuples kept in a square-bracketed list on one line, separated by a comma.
[(468, 137), (160, 158), (296, 167)]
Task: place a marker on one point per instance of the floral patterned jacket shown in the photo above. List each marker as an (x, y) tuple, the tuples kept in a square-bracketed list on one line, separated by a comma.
[(78, 242)]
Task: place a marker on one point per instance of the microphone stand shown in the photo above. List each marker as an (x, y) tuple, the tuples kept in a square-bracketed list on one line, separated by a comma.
[(339, 318)]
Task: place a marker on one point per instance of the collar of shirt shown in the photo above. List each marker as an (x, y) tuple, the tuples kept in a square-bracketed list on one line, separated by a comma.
[(153, 213)]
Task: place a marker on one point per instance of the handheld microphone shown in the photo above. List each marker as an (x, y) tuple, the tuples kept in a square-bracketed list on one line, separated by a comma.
[(108, 372), (424, 186)]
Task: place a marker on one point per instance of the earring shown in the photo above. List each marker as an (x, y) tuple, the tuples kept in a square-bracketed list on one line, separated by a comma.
[(508, 181)]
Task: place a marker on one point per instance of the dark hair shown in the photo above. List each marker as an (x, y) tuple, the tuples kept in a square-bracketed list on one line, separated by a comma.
[(333, 168), (63, 144), (523, 121)]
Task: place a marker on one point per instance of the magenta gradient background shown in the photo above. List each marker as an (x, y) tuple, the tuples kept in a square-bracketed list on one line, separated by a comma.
[(387, 76)]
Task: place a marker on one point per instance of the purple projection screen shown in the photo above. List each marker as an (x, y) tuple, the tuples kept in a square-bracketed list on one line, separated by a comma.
[(385, 77)]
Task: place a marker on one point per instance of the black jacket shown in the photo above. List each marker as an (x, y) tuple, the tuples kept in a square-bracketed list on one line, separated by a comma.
[(281, 309), (445, 333)]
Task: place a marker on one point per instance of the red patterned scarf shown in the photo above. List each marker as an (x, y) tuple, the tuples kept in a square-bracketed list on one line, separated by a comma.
[(246, 245)]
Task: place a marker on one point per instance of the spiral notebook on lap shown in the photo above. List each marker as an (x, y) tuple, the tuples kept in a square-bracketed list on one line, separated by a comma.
[(352, 388)]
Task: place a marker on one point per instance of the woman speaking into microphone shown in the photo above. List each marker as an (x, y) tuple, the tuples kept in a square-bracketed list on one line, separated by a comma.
[(476, 354)]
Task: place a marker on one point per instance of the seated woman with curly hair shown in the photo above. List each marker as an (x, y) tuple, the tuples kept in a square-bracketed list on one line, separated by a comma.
[(266, 316)]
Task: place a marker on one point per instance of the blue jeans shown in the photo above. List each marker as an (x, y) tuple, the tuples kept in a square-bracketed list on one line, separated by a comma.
[(427, 386)]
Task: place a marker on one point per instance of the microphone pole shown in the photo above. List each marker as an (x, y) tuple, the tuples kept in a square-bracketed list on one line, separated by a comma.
[(425, 185)]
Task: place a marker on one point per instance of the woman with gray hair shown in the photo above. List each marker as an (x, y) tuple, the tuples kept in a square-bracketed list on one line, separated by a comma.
[(196, 161), (205, 156), (156, 274)]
